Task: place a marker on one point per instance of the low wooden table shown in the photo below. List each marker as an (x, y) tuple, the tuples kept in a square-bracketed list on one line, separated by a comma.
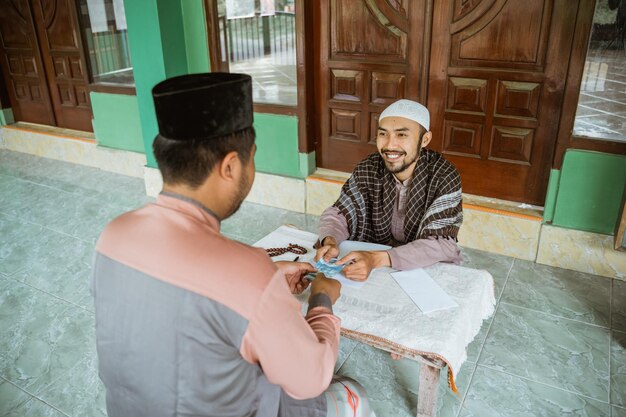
[(381, 315)]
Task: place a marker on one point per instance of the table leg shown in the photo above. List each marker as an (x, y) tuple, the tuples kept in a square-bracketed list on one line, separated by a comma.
[(429, 386)]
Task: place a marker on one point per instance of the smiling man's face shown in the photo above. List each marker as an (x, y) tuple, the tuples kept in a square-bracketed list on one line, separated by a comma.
[(398, 142)]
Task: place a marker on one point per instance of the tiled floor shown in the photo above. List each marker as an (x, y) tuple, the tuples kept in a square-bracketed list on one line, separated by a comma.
[(272, 83), (602, 103), (556, 345)]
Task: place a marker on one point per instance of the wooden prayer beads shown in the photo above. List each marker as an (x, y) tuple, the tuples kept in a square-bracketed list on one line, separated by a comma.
[(293, 248)]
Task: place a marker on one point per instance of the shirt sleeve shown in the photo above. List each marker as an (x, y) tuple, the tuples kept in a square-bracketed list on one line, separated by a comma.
[(295, 352), (424, 252), (334, 224)]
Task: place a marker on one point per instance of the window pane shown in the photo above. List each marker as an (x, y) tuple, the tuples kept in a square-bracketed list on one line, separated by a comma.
[(258, 37), (103, 23), (601, 109)]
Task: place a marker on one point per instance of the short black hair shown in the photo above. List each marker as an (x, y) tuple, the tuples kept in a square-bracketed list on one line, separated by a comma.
[(190, 162)]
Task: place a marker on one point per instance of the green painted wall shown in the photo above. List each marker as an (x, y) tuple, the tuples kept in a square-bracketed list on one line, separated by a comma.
[(277, 144), (590, 191), (6, 117), (553, 188), (157, 47), (167, 38), (196, 39), (307, 164), (116, 121)]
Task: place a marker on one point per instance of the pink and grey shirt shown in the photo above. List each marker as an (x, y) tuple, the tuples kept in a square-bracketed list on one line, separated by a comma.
[(191, 323)]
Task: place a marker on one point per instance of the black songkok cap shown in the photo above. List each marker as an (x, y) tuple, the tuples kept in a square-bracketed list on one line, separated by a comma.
[(203, 106)]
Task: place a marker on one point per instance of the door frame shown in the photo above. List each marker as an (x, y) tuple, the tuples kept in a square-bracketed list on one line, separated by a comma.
[(565, 138), (301, 109)]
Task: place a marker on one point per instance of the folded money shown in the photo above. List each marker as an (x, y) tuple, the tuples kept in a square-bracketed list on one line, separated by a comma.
[(330, 269)]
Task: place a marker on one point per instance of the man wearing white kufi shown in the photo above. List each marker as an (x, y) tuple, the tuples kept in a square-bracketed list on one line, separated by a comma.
[(405, 196)]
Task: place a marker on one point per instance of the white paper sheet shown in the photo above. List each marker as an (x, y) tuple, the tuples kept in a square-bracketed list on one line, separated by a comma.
[(348, 246), (423, 290)]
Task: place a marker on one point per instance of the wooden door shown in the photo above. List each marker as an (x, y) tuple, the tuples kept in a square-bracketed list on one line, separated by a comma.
[(369, 55), (22, 65), (43, 63), (497, 76)]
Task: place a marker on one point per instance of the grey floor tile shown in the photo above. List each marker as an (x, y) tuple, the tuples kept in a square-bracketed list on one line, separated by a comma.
[(72, 178), (618, 411), (392, 386), (346, 346), (548, 349), (62, 269), (87, 302), (618, 369), (57, 210), (254, 221), (243, 239), (497, 394), (373, 369), (474, 348), (448, 403), (71, 285), (80, 393), (22, 244), (26, 247), (618, 305), (532, 363), (251, 222), (43, 336), (35, 407), (497, 265), (11, 397), (306, 222), (570, 294), (22, 195), (81, 217)]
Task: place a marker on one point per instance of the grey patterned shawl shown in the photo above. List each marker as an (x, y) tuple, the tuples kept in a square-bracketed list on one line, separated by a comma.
[(433, 203)]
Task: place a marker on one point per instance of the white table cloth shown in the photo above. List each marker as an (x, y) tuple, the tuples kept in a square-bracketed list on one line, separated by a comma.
[(382, 315)]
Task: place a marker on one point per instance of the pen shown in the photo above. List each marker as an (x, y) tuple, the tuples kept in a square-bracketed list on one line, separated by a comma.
[(296, 259)]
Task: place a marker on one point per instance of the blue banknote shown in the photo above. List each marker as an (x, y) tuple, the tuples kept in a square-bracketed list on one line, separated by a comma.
[(330, 269)]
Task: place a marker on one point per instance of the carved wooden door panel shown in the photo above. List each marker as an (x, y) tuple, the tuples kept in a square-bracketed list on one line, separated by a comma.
[(22, 65), (43, 63), (65, 64), (369, 55), (497, 76)]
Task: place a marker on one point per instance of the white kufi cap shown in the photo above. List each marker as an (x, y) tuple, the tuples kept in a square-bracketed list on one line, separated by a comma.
[(409, 110)]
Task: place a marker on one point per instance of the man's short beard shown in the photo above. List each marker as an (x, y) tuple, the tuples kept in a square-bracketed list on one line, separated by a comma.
[(407, 164), (241, 195)]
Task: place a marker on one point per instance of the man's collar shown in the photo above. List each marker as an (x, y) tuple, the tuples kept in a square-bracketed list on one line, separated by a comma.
[(191, 201), (404, 183)]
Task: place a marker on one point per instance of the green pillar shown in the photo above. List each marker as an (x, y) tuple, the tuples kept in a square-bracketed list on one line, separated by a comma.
[(156, 37)]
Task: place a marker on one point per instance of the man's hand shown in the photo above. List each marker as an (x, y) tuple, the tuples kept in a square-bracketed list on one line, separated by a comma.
[(330, 287), (360, 263), (328, 250), (295, 272)]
